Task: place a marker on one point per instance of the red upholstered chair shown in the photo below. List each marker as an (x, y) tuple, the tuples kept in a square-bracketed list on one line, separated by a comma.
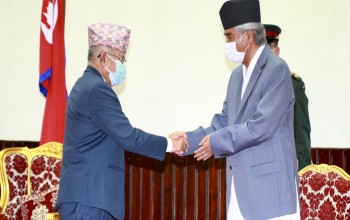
[(324, 192), (29, 181)]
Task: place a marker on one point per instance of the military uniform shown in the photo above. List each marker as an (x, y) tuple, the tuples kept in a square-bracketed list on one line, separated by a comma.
[(302, 126)]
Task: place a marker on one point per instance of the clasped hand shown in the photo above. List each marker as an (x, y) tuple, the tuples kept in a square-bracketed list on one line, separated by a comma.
[(180, 145), (202, 153)]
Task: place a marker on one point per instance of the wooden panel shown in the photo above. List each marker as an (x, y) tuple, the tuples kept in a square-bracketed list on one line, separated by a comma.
[(134, 199), (337, 158), (323, 156), (347, 160), (313, 155), (158, 190), (332, 156), (128, 185), (191, 190), (29, 144), (178, 188), (168, 189)]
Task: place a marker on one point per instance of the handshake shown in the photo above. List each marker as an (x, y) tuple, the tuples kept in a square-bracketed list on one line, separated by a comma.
[(180, 145)]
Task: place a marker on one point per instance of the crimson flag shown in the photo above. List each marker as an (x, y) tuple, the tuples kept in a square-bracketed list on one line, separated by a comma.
[(52, 80)]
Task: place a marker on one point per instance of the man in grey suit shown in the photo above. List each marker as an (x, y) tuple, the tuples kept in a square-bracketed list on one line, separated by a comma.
[(254, 131), (97, 133)]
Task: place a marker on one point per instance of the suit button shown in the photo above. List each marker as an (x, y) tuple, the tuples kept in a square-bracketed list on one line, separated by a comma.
[(230, 168)]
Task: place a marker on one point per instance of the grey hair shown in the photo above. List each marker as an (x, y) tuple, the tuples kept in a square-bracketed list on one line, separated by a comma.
[(94, 51), (257, 28)]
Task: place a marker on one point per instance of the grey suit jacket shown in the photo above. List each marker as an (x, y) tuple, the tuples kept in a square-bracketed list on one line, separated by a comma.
[(97, 133), (257, 138)]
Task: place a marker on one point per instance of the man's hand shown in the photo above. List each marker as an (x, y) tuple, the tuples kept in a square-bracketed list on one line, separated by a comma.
[(205, 151), (180, 142)]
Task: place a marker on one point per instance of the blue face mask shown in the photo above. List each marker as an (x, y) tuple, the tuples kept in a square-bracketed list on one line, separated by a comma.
[(118, 75)]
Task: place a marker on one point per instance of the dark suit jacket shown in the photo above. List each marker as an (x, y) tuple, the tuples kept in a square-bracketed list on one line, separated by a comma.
[(97, 133)]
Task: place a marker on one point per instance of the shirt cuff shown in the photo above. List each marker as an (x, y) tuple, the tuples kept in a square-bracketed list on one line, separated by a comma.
[(170, 146)]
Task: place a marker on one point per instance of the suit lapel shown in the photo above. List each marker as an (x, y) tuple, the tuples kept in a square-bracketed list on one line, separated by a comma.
[(254, 78), (237, 98)]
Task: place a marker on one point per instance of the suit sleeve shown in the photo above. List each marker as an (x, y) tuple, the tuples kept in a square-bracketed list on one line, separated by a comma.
[(219, 121), (302, 126), (276, 98), (107, 113)]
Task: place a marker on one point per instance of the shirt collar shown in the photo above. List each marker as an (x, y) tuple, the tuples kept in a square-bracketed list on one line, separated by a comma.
[(248, 72)]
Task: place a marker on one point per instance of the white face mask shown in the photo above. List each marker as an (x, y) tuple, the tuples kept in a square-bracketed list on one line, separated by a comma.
[(232, 53)]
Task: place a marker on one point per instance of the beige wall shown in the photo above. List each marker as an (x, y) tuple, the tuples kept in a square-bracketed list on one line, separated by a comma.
[(177, 71)]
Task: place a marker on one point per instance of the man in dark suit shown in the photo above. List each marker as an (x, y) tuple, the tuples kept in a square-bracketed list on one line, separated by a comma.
[(302, 126), (98, 132)]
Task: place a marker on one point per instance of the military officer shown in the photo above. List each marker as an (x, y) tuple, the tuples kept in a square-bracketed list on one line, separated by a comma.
[(302, 126)]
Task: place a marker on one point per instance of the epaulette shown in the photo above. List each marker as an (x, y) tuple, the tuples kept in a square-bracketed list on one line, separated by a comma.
[(298, 78), (295, 76)]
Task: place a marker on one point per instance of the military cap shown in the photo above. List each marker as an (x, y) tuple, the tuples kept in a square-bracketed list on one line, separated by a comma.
[(272, 33)]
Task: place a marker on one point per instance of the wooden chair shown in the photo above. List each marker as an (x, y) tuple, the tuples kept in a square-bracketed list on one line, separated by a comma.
[(324, 192), (29, 181)]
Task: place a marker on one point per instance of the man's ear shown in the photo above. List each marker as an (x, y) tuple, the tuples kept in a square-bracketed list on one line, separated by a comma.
[(102, 58), (250, 34)]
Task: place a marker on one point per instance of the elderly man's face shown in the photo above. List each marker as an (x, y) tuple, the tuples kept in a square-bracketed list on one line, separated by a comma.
[(232, 35), (112, 56), (107, 60)]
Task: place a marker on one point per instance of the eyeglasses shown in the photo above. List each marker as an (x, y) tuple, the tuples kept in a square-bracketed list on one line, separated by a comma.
[(122, 60)]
